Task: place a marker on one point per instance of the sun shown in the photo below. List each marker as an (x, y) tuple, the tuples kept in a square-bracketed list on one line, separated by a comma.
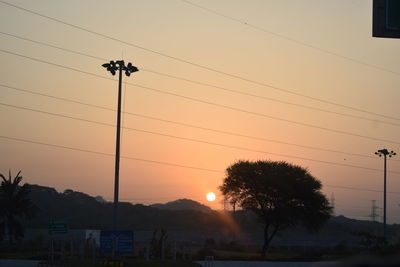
[(210, 196)]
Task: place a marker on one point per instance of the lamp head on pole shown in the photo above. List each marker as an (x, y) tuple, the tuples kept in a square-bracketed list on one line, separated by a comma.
[(385, 152), (113, 66)]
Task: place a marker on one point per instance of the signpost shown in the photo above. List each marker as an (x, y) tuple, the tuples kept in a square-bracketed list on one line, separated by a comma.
[(58, 227), (123, 241)]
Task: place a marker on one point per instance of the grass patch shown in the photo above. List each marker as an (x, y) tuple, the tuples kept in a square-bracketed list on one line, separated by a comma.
[(24, 255), (275, 255)]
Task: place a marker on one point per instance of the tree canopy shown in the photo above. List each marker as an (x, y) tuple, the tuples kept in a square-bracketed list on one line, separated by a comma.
[(281, 194)]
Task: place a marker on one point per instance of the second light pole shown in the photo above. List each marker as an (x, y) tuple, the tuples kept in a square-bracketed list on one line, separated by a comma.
[(385, 153), (113, 67)]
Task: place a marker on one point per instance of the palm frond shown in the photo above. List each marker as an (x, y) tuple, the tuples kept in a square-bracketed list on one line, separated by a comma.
[(4, 178)]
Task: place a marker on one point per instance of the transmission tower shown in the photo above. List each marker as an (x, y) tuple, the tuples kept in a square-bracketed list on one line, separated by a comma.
[(374, 215), (332, 202), (224, 200)]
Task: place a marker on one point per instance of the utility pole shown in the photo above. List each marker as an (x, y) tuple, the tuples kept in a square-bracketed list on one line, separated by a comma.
[(385, 153), (113, 67), (333, 204), (374, 215)]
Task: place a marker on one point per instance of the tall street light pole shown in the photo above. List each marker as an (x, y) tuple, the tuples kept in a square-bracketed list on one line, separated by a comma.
[(385, 153), (113, 67)]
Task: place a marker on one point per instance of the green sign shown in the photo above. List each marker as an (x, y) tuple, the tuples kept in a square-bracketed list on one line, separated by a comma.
[(58, 227)]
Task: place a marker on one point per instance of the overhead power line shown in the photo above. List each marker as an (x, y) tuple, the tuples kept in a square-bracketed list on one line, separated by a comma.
[(55, 64), (154, 161), (203, 83), (359, 189), (106, 154), (191, 125), (274, 99), (194, 140), (52, 46), (195, 64), (258, 28), (208, 102)]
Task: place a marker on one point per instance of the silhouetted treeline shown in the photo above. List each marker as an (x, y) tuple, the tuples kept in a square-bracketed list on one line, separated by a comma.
[(82, 211)]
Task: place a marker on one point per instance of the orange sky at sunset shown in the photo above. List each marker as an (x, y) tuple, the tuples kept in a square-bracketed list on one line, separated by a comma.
[(181, 134)]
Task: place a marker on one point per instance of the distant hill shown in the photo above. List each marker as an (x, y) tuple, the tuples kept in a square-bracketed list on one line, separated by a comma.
[(182, 204), (82, 211)]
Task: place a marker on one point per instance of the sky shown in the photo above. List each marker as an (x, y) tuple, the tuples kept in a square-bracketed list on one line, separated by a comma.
[(218, 81)]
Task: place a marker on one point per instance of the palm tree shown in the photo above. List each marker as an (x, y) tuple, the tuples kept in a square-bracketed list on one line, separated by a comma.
[(14, 205)]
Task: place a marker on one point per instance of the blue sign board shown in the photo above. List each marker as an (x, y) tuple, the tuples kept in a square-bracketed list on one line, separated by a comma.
[(123, 241)]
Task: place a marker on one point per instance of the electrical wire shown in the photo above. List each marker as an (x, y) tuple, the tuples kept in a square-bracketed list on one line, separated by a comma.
[(193, 63), (360, 189), (258, 28), (205, 84), (159, 162), (177, 165), (195, 140), (106, 154), (190, 125), (208, 102)]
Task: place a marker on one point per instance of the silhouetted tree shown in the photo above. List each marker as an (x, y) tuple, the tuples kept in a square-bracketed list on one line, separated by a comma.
[(281, 194), (14, 205)]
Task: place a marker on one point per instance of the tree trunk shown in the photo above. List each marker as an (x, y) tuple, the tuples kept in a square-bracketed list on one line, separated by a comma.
[(10, 234), (266, 242), (10, 229), (267, 239)]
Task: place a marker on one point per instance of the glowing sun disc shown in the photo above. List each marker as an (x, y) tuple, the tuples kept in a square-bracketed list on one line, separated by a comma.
[(211, 196)]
